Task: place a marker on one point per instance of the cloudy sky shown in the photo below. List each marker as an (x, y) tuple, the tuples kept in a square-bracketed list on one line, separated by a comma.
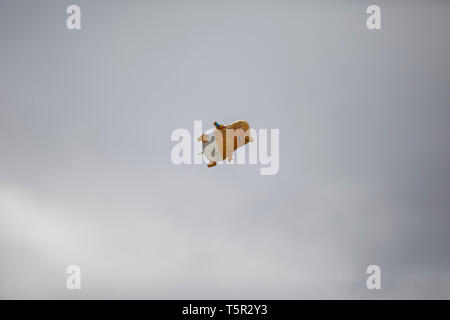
[(86, 176)]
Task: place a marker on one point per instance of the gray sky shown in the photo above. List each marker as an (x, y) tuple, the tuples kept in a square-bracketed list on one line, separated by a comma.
[(86, 176)]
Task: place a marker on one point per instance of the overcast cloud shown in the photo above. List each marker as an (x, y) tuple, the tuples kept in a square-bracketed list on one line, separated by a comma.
[(86, 176)]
